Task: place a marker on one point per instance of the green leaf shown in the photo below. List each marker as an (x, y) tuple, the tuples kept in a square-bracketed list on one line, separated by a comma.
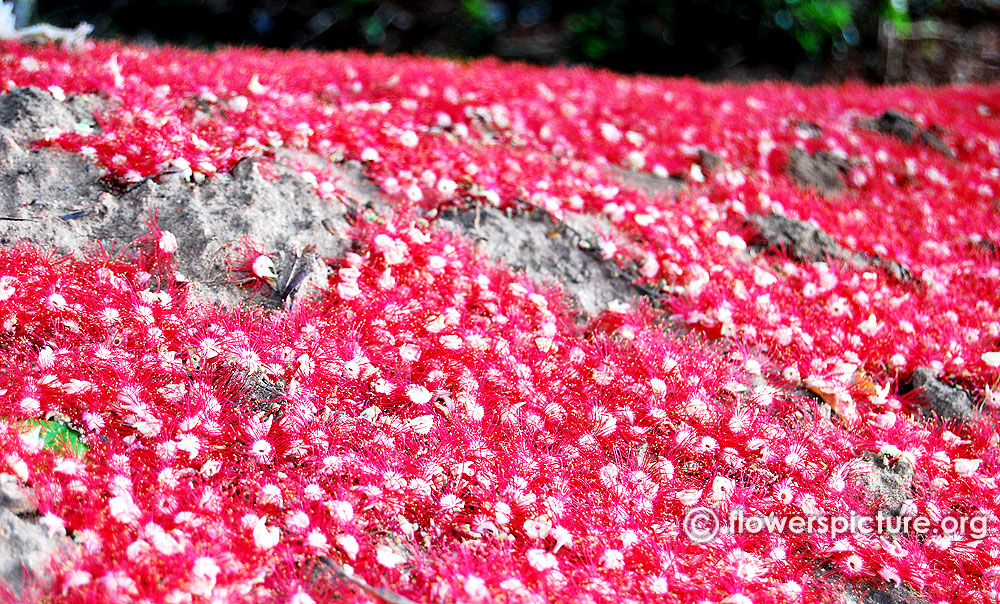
[(479, 10), (595, 48), (808, 40), (898, 14), (58, 437)]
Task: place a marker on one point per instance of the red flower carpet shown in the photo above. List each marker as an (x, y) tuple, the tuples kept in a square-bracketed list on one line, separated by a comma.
[(431, 424)]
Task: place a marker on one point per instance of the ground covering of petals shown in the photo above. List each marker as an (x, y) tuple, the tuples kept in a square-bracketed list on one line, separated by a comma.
[(447, 430)]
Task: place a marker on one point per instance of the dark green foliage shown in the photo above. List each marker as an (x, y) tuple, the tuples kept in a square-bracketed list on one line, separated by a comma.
[(655, 36)]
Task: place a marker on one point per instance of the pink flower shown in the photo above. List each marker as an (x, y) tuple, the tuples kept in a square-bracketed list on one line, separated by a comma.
[(388, 557), (541, 560), (265, 537)]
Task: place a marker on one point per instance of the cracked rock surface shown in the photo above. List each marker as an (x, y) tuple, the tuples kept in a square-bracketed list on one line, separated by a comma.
[(868, 593)]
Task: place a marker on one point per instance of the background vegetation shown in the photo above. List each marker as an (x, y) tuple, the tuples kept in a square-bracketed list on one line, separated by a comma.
[(806, 39)]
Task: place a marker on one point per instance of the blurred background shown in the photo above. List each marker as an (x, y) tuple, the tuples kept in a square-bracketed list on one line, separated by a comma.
[(891, 41)]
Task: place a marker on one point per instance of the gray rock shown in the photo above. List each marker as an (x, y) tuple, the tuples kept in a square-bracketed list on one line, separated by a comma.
[(940, 400), (25, 547), (882, 594), (932, 140), (888, 481), (546, 251), (869, 593), (14, 498), (895, 123), (12, 155), (821, 171), (210, 220), (806, 241), (650, 183), (264, 395), (899, 125), (809, 128), (58, 201), (892, 594), (27, 112), (37, 188), (802, 240), (54, 199), (710, 161)]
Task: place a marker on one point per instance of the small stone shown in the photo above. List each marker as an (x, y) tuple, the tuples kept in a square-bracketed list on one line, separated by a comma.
[(892, 594), (896, 124), (941, 400), (265, 395), (888, 481), (821, 171), (802, 240), (708, 160), (806, 241), (809, 128), (905, 129), (15, 498), (25, 551), (880, 594), (547, 252), (934, 142), (27, 112), (650, 183), (868, 592)]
